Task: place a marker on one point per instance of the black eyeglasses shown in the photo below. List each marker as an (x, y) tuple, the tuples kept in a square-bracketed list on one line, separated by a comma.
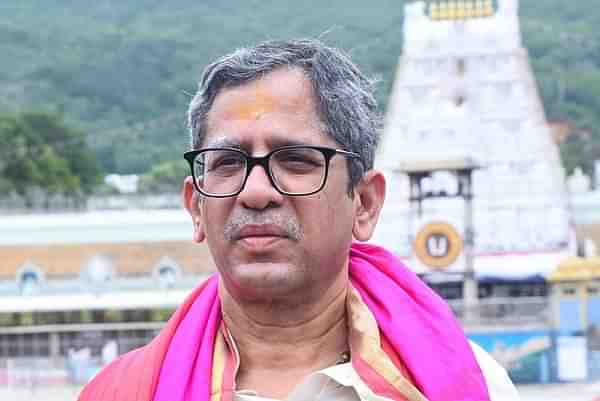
[(296, 170)]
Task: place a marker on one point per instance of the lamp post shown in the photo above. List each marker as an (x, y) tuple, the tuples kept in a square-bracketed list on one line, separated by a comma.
[(462, 169)]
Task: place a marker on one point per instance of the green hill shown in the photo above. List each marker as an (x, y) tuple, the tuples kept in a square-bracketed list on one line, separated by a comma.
[(122, 71)]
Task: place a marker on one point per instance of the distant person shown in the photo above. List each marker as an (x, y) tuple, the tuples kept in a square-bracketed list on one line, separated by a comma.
[(282, 188), (110, 352)]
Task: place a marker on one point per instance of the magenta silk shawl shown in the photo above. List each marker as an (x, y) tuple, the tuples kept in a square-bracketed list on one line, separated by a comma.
[(419, 325)]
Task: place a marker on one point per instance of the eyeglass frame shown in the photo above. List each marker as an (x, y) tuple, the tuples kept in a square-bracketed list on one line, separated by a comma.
[(263, 161)]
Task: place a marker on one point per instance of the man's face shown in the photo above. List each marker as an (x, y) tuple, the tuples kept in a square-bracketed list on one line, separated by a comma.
[(267, 245)]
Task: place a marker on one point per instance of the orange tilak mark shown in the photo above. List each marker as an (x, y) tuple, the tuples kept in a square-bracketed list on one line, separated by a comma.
[(254, 108)]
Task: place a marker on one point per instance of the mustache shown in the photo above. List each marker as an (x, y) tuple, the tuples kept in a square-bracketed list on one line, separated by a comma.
[(289, 225)]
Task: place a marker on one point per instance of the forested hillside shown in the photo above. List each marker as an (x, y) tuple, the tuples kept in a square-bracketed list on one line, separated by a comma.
[(121, 71)]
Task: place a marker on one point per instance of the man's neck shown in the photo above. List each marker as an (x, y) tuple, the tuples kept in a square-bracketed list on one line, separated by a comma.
[(276, 355)]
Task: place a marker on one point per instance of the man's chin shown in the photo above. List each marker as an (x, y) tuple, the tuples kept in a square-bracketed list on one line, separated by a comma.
[(266, 279)]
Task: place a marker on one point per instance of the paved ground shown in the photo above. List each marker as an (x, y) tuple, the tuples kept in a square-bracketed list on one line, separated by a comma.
[(561, 392), (40, 394), (552, 392)]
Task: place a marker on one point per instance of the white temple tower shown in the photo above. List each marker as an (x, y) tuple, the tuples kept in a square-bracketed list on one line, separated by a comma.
[(464, 88)]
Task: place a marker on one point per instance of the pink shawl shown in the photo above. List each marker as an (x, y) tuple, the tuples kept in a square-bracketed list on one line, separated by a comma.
[(418, 325)]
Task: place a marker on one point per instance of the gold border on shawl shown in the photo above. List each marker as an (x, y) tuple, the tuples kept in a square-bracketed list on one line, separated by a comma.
[(364, 339), (218, 367)]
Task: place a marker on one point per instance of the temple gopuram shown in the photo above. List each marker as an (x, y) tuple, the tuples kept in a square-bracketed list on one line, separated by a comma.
[(464, 92)]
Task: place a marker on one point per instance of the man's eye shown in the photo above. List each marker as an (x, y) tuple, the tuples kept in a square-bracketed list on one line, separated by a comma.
[(229, 162), (299, 161), (225, 164)]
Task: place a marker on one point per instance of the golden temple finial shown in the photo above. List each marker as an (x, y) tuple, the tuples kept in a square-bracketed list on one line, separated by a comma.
[(488, 8), (434, 11), (460, 10), (451, 9), (478, 12), (443, 10), (469, 9)]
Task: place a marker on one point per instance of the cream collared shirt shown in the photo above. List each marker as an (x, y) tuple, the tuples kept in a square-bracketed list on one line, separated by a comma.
[(342, 383)]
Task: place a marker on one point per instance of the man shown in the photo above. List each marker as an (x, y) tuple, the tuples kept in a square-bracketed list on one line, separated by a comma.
[(282, 187)]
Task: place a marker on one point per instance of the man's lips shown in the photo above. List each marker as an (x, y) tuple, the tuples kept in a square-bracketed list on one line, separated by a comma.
[(265, 231)]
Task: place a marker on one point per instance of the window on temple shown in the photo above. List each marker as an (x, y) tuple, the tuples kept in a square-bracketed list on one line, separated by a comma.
[(167, 272), (29, 279), (99, 272)]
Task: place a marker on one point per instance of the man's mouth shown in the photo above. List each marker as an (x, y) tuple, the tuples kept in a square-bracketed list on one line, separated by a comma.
[(260, 236), (260, 230)]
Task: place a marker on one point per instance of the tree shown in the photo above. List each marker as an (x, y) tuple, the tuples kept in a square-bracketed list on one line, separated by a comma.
[(166, 177), (579, 150), (40, 153)]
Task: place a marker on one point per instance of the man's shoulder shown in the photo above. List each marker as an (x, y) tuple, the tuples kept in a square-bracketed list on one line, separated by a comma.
[(500, 387)]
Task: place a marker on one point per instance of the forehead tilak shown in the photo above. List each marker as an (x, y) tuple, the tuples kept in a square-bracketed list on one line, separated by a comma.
[(255, 106)]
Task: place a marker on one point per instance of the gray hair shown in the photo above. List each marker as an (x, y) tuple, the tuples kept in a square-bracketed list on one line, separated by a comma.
[(344, 95)]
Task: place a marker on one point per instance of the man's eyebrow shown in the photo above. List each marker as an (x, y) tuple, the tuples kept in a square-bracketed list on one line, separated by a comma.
[(224, 142), (280, 142)]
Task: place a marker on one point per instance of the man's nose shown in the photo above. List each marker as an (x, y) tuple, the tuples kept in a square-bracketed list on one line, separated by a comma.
[(259, 192)]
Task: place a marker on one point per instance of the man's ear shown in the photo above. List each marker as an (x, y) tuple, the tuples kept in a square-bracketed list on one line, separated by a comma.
[(191, 201), (369, 196)]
